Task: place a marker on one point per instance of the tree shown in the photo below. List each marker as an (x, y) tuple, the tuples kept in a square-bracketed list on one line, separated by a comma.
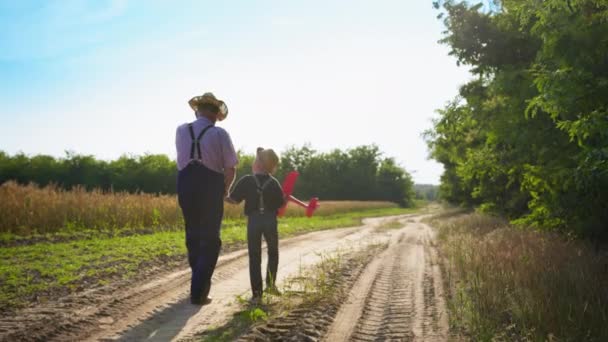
[(528, 138)]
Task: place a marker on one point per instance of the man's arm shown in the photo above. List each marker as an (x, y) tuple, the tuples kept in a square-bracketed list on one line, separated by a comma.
[(177, 144), (229, 176), (230, 159), (238, 192)]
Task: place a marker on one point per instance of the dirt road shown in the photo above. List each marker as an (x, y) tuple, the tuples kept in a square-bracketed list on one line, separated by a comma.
[(399, 295), (176, 319)]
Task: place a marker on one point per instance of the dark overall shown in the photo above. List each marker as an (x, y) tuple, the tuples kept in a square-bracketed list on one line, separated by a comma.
[(200, 192), (262, 223)]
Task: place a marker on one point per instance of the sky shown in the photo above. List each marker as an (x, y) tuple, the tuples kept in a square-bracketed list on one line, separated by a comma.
[(113, 77)]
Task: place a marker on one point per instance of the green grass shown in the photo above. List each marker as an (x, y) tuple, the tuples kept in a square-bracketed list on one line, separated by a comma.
[(48, 270)]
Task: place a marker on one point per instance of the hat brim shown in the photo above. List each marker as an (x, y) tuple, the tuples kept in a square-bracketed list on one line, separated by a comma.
[(199, 100)]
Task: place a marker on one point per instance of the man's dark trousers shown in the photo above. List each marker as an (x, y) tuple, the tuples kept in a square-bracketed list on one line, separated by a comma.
[(200, 193), (262, 224)]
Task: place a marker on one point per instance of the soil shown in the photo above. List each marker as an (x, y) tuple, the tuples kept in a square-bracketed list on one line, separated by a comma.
[(311, 319), (159, 310), (398, 296)]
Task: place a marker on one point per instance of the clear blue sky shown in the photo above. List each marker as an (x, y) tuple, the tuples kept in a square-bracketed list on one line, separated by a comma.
[(113, 77)]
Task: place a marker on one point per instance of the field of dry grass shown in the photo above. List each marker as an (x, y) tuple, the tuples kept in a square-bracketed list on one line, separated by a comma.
[(513, 284), (26, 210)]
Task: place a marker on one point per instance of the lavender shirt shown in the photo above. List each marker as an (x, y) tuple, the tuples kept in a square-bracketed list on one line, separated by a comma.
[(217, 151)]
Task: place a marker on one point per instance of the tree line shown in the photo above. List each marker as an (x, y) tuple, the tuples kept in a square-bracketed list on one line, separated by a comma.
[(426, 192), (361, 173), (527, 137)]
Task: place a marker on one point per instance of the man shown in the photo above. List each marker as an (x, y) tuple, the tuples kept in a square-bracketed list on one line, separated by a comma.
[(206, 161)]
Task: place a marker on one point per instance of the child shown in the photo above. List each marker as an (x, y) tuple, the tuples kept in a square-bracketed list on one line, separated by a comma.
[(263, 197)]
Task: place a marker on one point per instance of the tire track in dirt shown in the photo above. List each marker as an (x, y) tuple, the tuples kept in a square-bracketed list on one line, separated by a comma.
[(387, 311), (309, 321), (403, 294), (350, 311)]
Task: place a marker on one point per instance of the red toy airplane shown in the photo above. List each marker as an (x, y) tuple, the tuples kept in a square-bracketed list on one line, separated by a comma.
[(288, 184)]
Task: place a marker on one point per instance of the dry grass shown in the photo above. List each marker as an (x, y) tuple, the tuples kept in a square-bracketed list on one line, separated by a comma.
[(26, 210), (29, 209), (390, 224), (512, 284)]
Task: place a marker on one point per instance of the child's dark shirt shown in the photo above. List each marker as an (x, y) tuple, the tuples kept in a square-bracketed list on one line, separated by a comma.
[(247, 189)]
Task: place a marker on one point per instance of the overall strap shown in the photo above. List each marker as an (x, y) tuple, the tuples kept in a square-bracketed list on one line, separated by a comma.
[(260, 188), (196, 142), (193, 140)]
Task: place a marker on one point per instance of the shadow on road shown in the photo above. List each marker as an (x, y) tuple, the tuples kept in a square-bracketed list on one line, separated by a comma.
[(172, 320)]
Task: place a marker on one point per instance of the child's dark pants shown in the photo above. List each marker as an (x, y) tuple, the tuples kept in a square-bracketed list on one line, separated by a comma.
[(200, 195), (262, 224)]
